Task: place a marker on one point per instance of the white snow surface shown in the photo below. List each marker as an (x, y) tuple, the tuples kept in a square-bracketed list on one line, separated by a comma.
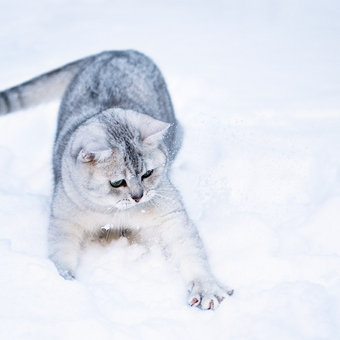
[(255, 85)]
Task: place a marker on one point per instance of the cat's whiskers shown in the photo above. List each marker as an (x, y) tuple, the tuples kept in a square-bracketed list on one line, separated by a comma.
[(157, 194)]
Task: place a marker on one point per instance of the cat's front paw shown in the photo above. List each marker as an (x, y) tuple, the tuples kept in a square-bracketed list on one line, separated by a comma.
[(207, 294), (67, 275)]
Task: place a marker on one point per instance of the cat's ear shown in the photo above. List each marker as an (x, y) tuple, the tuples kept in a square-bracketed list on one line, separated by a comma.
[(91, 145), (90, 155), (152, 131)]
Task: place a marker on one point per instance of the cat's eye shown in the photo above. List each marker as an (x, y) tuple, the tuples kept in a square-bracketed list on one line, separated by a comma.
[(117, 184), (147, 174)]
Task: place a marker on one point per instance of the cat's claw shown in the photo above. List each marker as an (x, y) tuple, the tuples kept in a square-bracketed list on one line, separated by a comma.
[(194, 302)]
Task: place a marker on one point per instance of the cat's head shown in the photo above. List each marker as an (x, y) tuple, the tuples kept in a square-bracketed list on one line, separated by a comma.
[(119, 159)]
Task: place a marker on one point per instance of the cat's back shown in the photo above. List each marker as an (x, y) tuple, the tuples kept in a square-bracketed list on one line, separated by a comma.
[(125, 79)]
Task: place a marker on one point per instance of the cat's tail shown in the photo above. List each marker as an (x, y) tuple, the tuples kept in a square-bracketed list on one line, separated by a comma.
[(41, 89)]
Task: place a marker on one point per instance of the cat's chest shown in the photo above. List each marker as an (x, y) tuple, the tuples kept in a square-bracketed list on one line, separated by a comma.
[(133, 219)]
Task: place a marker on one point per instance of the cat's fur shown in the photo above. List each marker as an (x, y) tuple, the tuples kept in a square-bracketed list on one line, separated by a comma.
[(116, 124)]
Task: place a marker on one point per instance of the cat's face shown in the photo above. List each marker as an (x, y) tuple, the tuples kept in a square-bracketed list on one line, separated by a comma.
[(121, 162), (116, 182)]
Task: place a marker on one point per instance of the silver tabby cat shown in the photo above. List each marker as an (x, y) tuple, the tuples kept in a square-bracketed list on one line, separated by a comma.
[(116, 138)]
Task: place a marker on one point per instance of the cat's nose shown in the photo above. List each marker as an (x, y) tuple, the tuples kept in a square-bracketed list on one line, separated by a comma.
[(137, 198)]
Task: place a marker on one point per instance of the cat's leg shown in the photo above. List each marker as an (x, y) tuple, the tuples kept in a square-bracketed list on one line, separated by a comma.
[(184, 246), (64, 243), (204, 290)]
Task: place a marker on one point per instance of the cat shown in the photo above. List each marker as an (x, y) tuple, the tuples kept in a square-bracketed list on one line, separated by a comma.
[(116, 139)]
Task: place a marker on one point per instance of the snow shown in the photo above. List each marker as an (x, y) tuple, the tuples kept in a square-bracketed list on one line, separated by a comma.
[(256, 87)]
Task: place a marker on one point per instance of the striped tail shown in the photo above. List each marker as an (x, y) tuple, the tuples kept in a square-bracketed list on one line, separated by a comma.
[(41, 89)]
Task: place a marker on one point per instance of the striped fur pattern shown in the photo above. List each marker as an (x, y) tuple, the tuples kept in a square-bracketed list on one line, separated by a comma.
[(115, 141), (41, 89)]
